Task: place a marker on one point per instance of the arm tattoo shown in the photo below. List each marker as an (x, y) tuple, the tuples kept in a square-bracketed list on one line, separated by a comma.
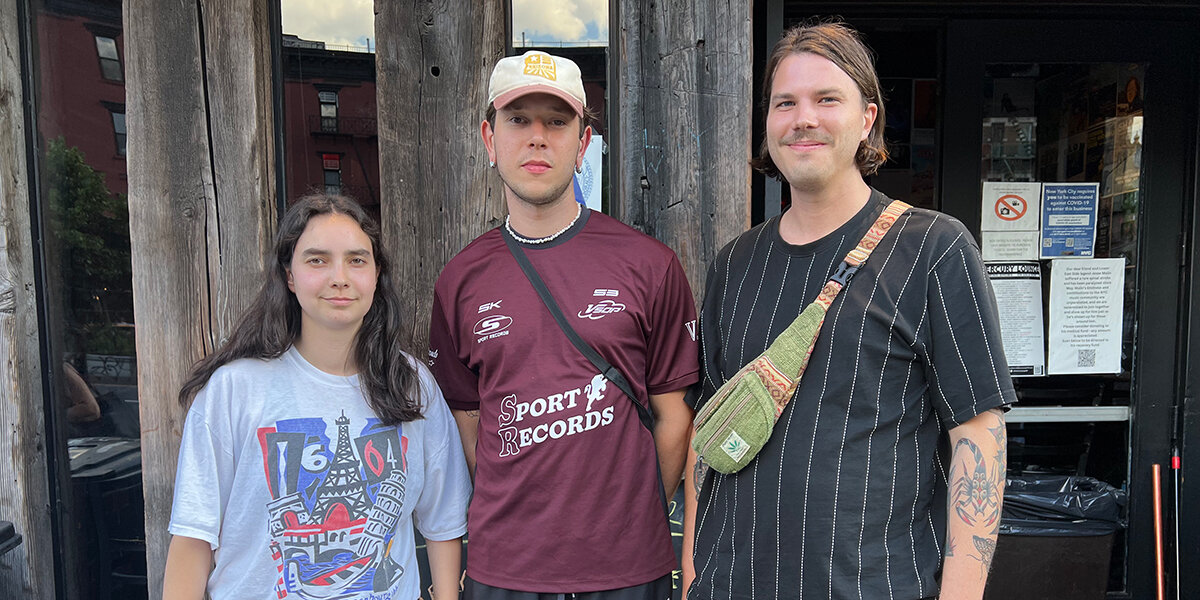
[(977, 490), (1000, 434), (950, 546), (987, 549), (698, 474), (474, 414)]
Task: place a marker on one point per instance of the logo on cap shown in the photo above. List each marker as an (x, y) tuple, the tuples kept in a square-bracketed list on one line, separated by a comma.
[(541, 65)]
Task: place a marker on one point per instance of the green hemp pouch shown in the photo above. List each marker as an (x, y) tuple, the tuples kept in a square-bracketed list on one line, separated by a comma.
[(737, 421)]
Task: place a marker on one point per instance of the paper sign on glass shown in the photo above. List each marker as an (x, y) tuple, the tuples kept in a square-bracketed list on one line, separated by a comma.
[(1086, 303), (1018, 289), (1010, 246), (1011, 206), (1069, 219)]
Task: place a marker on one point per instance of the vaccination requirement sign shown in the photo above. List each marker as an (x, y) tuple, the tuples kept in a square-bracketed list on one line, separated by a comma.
[(1069, 219)]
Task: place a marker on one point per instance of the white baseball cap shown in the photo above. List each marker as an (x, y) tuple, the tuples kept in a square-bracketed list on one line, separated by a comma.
[(534, 72)]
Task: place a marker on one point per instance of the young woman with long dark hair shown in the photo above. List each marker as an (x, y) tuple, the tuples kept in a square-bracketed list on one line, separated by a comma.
[(313, 441)]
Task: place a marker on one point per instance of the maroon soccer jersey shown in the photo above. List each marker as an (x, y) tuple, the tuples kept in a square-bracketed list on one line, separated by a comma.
[(567, 493)]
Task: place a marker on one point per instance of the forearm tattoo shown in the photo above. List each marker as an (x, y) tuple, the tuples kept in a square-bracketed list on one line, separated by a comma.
[(987, 549), (977, 488)]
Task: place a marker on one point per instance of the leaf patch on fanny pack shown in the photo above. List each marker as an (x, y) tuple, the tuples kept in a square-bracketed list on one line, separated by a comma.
[(735, 446)]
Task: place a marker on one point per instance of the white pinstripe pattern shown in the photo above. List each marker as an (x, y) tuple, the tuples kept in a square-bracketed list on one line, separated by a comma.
[(733, 536), (737, 298), (757, 294), (987, 343), (699, 523), (787, 266), (957, 350), (923, 415), (900, 425), (878, 397), (837, 482), (897, 376), (812, 447)]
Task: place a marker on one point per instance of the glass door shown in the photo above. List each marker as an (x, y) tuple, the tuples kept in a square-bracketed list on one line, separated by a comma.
[(1069, 163)]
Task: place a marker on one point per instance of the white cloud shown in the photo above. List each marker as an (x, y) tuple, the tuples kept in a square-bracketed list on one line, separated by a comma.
[(560, 20), (340, 22), (351, 22)]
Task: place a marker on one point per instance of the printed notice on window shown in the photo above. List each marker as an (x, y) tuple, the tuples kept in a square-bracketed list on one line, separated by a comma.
[(1011, 206), (1085, 315), (1069, 219), (1018, 289), (1010, 246)]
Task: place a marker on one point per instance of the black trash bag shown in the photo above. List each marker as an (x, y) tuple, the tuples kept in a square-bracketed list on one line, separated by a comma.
[(1059, 505)]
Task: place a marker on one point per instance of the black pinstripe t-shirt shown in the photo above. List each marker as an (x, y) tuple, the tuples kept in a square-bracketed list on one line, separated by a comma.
[(848, 497)]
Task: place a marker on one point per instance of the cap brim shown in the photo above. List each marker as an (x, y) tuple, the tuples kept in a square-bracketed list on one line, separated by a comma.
[(507, 97)]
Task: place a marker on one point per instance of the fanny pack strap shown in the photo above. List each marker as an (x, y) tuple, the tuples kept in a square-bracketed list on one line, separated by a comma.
[(786, 363)]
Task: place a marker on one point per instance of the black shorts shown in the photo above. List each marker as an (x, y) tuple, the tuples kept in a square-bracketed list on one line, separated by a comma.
[(659, 589)]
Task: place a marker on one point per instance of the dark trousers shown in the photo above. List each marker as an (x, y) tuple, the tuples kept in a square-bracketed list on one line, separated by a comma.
[(659, 589)]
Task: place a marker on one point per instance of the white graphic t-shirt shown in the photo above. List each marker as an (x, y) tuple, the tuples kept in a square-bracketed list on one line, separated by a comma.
[(301, 491)]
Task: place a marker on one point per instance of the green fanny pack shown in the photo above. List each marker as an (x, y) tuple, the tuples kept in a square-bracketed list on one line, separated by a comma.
[(735, 424)]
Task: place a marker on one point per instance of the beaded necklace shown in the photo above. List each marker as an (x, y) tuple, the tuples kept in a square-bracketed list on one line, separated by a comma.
[(549, 238)]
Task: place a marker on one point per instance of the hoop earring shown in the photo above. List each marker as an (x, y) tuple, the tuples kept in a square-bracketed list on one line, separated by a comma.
[(579, 169)]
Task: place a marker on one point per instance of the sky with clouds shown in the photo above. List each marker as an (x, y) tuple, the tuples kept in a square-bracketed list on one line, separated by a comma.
[(561, 20), (352, 22)]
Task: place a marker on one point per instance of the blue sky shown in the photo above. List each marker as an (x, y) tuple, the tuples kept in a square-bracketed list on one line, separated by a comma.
[(352, 22)]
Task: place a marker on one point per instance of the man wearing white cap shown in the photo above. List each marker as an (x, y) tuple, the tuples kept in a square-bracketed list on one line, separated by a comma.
[(569, 495)]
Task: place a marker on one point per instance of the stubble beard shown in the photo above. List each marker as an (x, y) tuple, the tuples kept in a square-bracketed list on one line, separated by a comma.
[(802, 175), (537, 200)]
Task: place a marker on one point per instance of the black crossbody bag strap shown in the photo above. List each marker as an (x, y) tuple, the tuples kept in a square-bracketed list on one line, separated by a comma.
[(609, 372), (606, 369)]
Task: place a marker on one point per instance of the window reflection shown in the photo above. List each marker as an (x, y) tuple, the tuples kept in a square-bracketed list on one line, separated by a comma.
[(110, 61), (81, 138), (331, 139)]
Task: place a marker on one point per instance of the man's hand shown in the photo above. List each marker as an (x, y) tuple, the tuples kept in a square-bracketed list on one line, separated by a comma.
[(977, 471)]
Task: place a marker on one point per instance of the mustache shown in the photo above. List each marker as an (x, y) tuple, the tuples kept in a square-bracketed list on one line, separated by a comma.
[(796, 139)]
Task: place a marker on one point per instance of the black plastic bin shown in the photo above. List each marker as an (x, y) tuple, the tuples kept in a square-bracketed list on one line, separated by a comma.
[(1056, 536)]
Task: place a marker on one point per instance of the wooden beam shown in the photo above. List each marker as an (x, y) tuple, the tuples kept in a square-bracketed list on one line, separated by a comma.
[(684, 91), (237, 44), (28, 570), (201, 205), (437, 193)]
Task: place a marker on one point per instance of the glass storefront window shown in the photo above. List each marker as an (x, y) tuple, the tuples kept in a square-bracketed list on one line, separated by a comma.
[(331, 139), (80, 138), (1047, 124)]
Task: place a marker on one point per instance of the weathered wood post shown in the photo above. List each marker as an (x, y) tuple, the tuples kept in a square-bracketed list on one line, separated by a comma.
[(201, 204), (437, 193), (28, 570), (683, 91)]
